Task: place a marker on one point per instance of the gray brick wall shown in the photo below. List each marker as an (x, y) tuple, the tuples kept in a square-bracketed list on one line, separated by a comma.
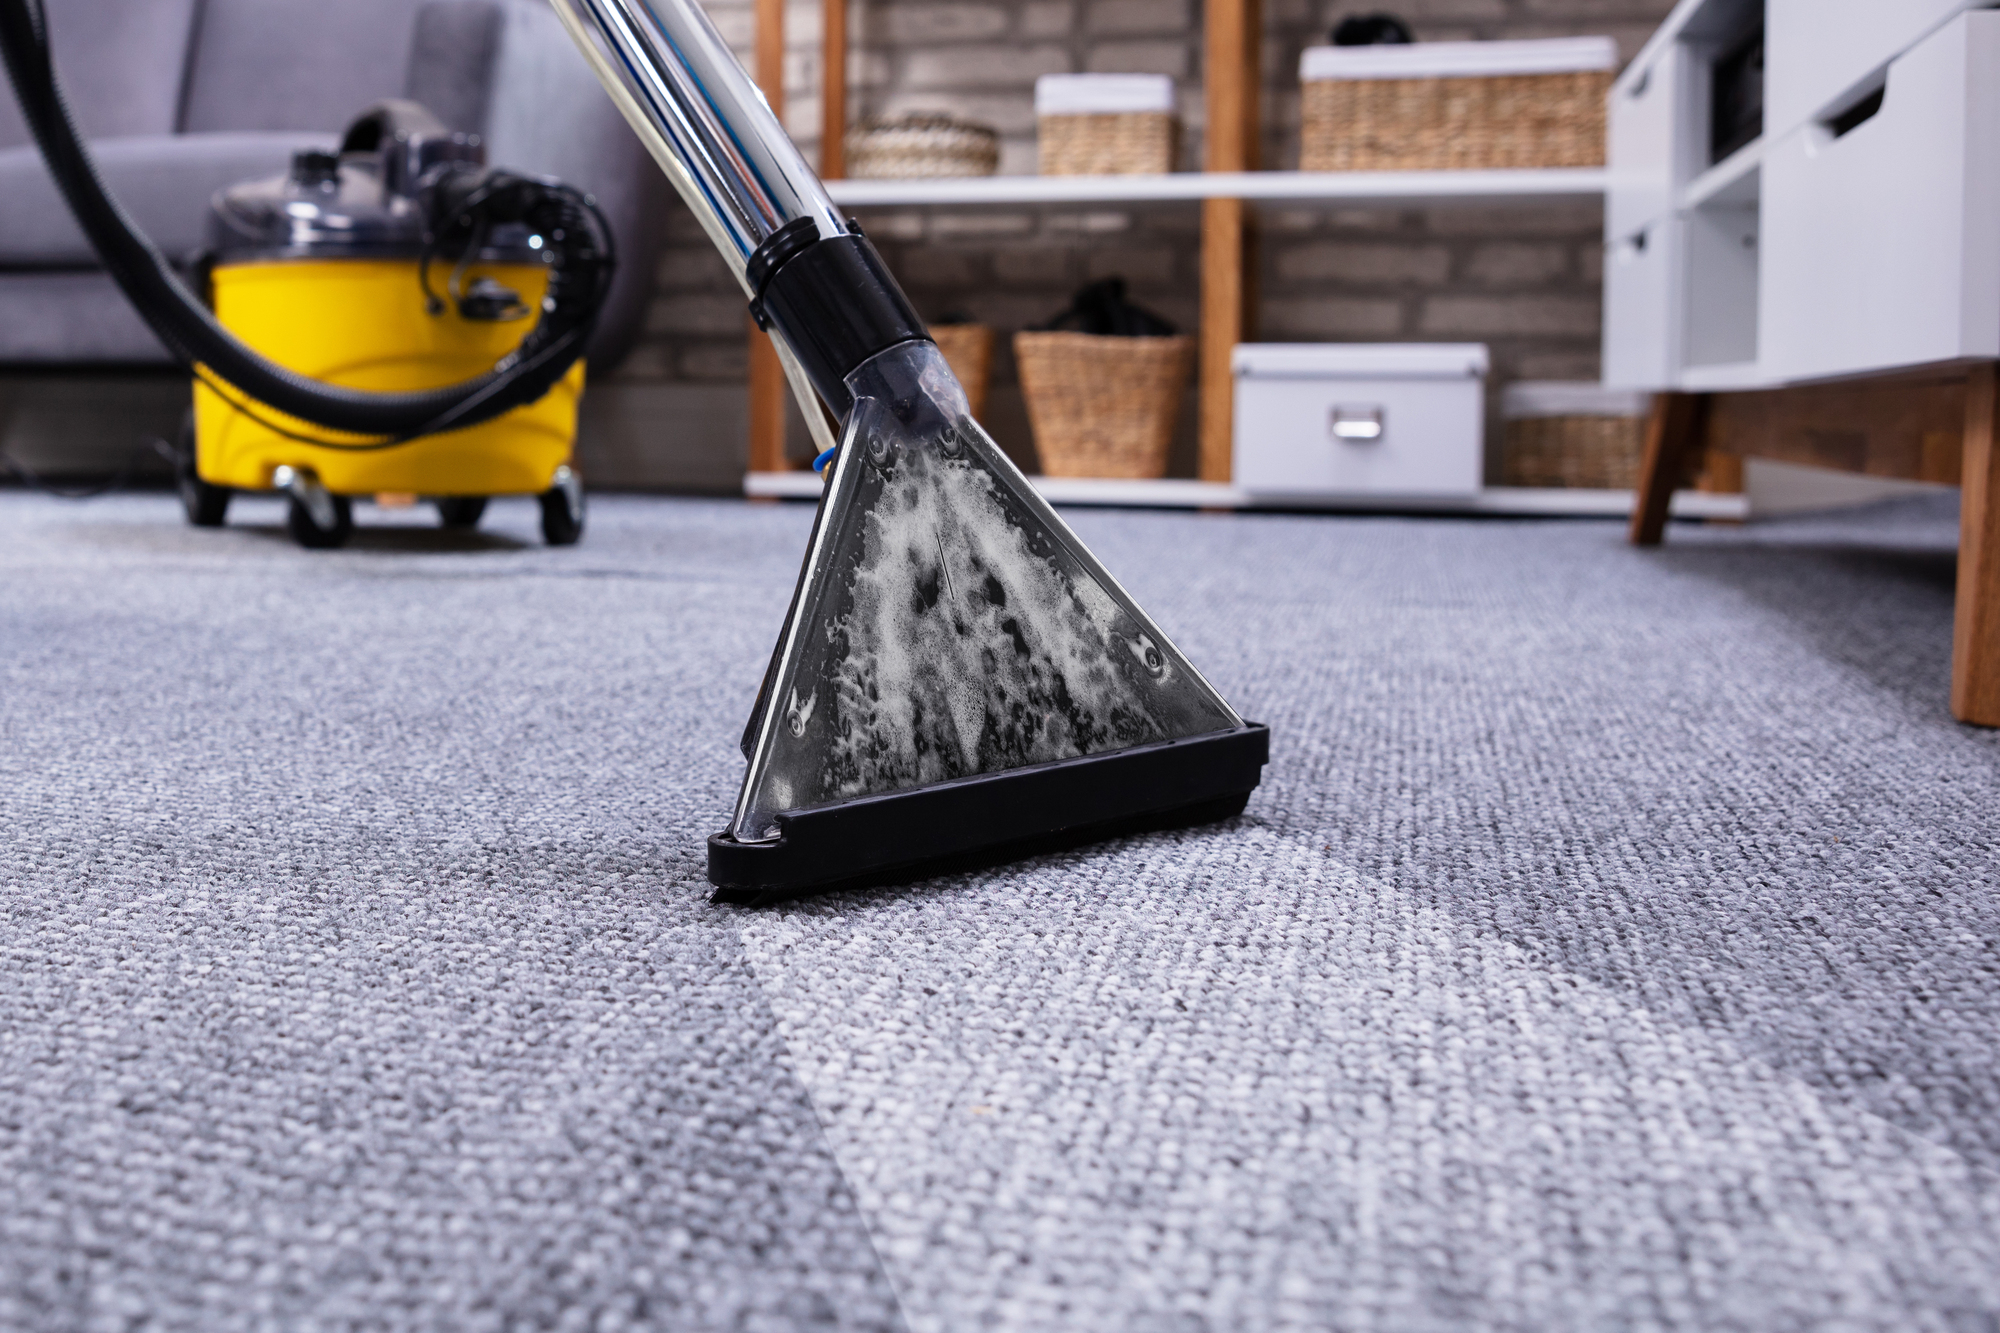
[(1524, 280)]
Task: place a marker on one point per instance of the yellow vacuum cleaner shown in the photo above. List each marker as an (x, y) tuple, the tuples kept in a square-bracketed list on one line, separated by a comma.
[(394, 317), (331, 271)]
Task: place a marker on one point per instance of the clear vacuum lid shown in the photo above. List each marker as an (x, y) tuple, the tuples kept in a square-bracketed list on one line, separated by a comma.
[(368, 200)]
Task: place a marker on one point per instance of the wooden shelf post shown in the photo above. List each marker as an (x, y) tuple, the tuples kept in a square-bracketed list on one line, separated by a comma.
[(1230, 78), (767, 376), (833, 90)]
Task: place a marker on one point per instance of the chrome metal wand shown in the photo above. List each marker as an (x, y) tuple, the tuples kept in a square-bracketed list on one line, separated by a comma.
[(813, 281)]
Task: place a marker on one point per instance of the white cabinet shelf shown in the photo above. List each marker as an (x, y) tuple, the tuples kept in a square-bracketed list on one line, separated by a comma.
[(1725, 178), (1332, 187)]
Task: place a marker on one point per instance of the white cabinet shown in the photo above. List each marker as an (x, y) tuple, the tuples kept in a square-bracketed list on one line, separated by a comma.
[(1377, 420), (1882, 245), (1859, 232)]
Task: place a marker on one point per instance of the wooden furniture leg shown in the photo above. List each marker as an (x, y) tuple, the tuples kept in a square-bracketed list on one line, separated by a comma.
[(1722, 474), (1975, 642), (1672, 433)]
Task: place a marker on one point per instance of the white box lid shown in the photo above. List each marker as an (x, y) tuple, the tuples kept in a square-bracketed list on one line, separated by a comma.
[(1395, 361), (1102, 94), (1528, 399), (1458, 60)]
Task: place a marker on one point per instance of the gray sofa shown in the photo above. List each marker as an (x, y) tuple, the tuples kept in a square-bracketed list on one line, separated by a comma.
[(182, 97)]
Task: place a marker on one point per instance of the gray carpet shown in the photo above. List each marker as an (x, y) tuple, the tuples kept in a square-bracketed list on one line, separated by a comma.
[(1613, 945)]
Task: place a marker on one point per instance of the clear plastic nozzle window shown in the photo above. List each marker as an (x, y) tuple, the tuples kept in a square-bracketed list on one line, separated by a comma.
[(948, 623)]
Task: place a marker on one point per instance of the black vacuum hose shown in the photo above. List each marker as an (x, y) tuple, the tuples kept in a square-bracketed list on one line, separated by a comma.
[(579, 276)]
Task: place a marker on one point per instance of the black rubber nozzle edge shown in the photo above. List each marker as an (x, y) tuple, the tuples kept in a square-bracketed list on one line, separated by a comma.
[(832, 300), (968, 823)]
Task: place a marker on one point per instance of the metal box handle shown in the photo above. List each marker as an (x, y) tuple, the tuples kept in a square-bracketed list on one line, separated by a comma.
[(1354, 423)]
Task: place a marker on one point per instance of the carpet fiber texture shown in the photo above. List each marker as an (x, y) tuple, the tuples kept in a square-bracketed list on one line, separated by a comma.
[(1614, 944)]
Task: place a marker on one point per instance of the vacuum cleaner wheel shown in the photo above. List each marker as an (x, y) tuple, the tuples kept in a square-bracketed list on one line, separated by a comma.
[(307, 531), (461, 511), (562, 509), (206, 504)]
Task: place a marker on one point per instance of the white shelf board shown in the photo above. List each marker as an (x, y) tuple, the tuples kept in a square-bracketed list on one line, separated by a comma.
[(1507, 501), (1176, 493), (1528, 501), (782, 485), (1724, 176), (1351, 187)]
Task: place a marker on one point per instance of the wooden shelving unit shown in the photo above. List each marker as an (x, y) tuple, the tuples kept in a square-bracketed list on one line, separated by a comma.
[(1229, 86), (1226, 190)]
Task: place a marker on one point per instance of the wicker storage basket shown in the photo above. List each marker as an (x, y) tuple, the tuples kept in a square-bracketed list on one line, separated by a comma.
[(1455, 105), (968, 350), (1103, 407), (922, 144), (1132, 143), (1577, 435), (1104, 124)]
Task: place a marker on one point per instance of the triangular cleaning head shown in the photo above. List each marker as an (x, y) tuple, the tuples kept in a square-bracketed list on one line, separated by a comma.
[(959, 678)]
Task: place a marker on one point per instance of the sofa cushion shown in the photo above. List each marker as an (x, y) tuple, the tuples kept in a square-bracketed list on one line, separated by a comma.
[(451, 61), (57, 318), (295, 64), (550, 115), (164, 182), (121, 66)]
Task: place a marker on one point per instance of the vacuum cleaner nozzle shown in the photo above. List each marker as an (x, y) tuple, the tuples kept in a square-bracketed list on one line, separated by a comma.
[(958, 680)]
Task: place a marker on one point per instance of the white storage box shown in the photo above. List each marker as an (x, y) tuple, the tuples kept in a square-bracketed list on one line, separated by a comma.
[(1382, 420)]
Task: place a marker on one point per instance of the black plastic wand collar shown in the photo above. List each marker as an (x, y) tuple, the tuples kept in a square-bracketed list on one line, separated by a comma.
[(832, 300)]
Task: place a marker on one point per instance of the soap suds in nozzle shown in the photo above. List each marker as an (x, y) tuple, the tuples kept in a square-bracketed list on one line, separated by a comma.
[(959, 632)]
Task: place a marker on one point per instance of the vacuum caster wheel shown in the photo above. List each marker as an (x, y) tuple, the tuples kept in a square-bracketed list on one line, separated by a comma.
[(461, 511), (318, 519), (206, 504), (562, 509), (307, 529)]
